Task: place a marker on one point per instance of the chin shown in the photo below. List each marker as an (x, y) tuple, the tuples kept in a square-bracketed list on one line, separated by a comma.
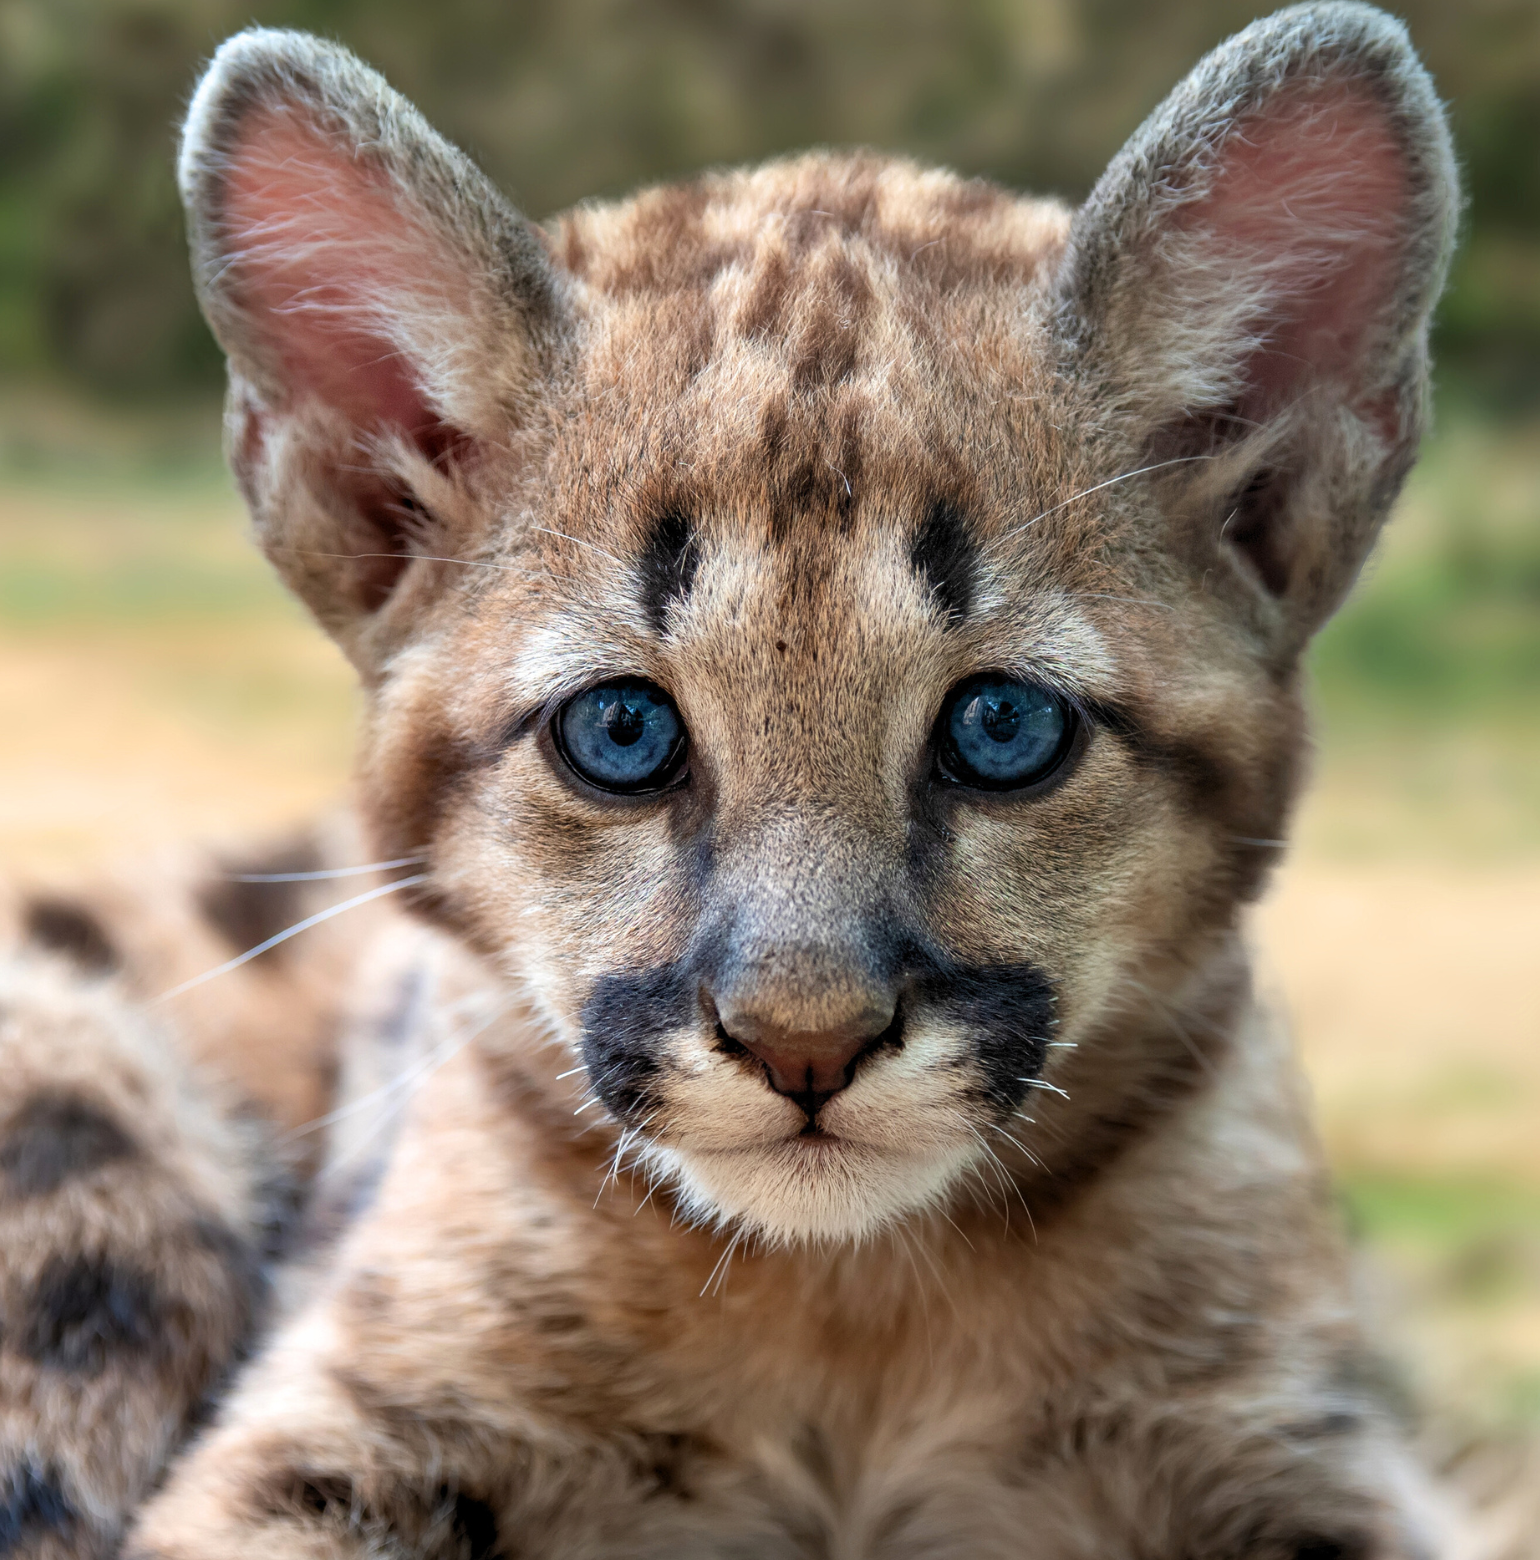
[(806, 1191)]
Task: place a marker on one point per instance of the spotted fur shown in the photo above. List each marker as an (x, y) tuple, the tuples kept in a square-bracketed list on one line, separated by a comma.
[(1027, 1247)]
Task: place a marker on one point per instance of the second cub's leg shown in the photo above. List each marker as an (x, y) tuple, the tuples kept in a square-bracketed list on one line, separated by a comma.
[(133, 1217)]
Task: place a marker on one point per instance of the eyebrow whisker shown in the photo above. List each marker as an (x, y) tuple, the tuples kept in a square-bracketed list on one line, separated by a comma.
[(1159, 465), (577, 541)]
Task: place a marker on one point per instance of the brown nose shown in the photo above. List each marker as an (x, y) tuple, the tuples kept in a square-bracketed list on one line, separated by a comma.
[(809, 1067)]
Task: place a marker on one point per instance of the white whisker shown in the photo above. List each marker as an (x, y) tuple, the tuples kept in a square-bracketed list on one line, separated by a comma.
[(1132, 601), (1180, 460), (1190, 1045), (408, 557), (713, 1283), (420, 1070), (291, 931), (577, 541), (956, 1226), (363, 1101), (1042, 1083), (328, 872), (1016, 1142)]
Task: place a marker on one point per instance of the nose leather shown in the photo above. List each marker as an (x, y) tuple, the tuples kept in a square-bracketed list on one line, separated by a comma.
[(807, 1066)]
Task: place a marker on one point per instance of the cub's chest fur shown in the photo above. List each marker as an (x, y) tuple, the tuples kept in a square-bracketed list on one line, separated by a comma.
[(831, 637)]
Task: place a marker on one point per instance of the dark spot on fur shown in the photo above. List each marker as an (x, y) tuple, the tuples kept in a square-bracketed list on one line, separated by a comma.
[(279, 1194), (623, 1019), (54, 1137), (826, 348), (1208, 785), (294, 1492), (667, 566), (944, 556), (31, 1503), (665, 1463), (443, 1523), (1316, 1546), (474, 1526), (246, 914), (61, 926), (86, 1313), (560, 1324), (1250, 809), (849, 460), (763, 313)]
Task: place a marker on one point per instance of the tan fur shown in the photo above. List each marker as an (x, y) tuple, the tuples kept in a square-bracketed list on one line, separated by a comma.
[(807, 446)]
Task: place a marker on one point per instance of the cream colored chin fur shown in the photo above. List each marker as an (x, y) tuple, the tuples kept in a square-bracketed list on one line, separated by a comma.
[(804, 1191)]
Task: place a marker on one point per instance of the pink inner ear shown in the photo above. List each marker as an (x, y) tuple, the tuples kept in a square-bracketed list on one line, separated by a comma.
[(320, 248), (1311, 197)]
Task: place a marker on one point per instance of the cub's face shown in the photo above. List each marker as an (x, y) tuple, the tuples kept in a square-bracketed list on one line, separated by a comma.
[(832, 631), (827, 768)]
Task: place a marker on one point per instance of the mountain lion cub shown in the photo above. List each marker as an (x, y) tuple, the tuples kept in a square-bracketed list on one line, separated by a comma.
[(831, 636)]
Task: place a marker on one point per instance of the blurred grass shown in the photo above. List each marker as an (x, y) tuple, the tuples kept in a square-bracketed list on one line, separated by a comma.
[(155, 682), (1427, 684)]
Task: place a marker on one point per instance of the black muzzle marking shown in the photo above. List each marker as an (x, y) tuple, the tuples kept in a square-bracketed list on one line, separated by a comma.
[(1007, 1011)]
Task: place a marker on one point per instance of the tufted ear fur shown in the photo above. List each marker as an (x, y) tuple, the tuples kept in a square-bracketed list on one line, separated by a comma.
[(387, 316), (1247, 292)]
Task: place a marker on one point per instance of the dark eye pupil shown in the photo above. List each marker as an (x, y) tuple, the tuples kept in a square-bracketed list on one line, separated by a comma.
[(624, 722), (1002, 720)]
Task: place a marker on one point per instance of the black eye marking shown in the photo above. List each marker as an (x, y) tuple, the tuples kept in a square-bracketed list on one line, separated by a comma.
[(1209, 786), (667, 566), (943, 554), (54, 1137)]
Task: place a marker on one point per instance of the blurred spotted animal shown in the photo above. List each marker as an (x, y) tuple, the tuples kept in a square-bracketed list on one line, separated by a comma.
[(791, 1085)]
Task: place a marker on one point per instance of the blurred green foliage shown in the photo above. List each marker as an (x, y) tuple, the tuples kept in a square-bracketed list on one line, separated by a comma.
[(562, 99), (1447, 620)]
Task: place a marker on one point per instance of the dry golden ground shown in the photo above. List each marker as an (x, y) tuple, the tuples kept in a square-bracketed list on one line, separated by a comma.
[(155, 684)]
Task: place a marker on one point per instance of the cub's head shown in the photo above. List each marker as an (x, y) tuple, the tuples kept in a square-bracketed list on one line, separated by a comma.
[(834, 630)]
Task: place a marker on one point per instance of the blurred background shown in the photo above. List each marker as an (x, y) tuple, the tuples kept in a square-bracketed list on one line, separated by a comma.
[(154, 682)]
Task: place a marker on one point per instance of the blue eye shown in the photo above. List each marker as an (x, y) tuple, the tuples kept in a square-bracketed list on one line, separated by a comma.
[(1000, 734), (622, 736)]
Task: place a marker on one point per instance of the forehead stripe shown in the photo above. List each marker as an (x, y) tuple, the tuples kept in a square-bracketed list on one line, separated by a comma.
[(667, 565), (944, 556)]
